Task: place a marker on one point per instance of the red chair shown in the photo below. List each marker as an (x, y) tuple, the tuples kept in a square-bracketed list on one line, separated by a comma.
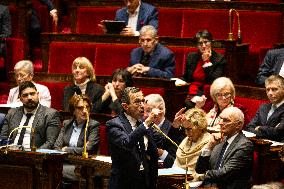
[(62, 55), (170, 22), (180, 60), (112, 56), (88, 18)]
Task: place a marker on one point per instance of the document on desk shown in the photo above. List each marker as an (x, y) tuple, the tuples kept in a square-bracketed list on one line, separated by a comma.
[(48, 151), (274, 143), (172, 171), (106, 159), (248, 134)]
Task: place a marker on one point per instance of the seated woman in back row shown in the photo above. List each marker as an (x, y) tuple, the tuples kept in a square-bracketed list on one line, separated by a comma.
[(84, 83), (110, 101), (222, 92), (202, 68)]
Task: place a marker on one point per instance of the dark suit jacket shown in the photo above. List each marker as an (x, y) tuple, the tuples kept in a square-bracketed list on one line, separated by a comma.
[(126, 154), (5, 26), (162, 142), (162, 61), (236, 169), (110, 107), (66, 132), (93, 90), (271, 64), (46, 124), (273, 128), (211, 72), (148, 15)]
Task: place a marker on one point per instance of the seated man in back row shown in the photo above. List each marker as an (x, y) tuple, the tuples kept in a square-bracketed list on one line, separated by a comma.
[(44, 120), (151, 59), (268, 121)]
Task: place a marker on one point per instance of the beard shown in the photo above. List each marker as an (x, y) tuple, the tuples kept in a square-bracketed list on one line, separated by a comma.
[(31, 104)]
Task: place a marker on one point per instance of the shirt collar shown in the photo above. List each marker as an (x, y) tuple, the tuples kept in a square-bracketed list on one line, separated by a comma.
[(230, 140), (131, 120), (279, 104)]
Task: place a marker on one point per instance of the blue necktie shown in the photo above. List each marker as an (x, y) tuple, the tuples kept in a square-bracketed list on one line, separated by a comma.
[(221, 156)]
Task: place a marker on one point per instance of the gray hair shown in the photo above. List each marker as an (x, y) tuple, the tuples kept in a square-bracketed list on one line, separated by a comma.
[(148, 28), (219, 84), (155, 99), (86, 63), (26, 65)]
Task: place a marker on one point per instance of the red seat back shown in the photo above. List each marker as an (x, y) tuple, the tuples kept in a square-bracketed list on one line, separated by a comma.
[(170, 22)]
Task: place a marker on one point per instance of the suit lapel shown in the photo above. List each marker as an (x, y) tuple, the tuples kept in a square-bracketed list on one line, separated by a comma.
[(232, 146), (140, 21), (125, 123), (279, 63), (39, 116), (274, 116)]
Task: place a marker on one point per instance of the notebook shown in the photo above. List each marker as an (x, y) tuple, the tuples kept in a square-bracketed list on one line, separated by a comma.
[(114, 27)]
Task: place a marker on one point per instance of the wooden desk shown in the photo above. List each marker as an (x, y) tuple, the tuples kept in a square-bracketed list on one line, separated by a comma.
[(30, 170), (88, 168)]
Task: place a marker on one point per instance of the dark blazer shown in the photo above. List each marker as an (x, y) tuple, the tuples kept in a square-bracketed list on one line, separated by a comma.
[(5, 26), (273, 128), (110, 107), (236, 169), (93, 90), (66, 132), (162, 142), (211, 72), (162, 61), (127, 154), (271, 64), (148, 15), (46, 124)]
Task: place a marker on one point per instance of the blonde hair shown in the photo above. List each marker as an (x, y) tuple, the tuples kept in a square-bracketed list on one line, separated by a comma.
[(83, 61), (219, 84), (196, 117)]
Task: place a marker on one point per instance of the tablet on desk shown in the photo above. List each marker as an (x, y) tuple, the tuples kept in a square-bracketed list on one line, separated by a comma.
[(114, 27)]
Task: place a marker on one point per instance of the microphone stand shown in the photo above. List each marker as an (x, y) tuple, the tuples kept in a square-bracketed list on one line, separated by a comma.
[(85, 153), (230, 35), (20, 127), (186, 183)]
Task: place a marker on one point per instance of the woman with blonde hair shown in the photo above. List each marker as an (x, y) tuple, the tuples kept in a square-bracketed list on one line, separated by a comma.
[(84, 83), (195, 123)]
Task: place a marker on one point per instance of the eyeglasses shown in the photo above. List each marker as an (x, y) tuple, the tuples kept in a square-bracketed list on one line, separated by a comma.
[(227, 121), (81, 108), (21, 76), (224, 95), (138, 102), (148, 40), (200, 43)]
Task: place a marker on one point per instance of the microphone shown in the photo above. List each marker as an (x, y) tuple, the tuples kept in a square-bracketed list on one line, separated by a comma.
[(17, 128), (166, 136)]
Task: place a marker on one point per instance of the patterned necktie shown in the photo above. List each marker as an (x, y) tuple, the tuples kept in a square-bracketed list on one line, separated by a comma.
[(221, 156), (23, 131)]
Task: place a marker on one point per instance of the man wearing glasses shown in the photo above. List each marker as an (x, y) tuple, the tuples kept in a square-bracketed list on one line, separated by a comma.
[(151, 59), (133, 151), (268, 121), (226, 160), (24, 71)]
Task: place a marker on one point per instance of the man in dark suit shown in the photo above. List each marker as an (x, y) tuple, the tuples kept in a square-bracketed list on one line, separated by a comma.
[(5, 27), (137, 14), (44, 120), (272, 64), (151, 59), (133, 151), (268, 121), (166, 150), (227, 158)]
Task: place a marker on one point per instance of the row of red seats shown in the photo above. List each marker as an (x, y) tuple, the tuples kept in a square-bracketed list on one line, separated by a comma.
[(105, 57)]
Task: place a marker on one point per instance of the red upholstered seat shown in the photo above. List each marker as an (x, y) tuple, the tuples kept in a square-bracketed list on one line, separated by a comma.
[(112, 56), (180, 60), (56, 91), (62, 55), (148, 90), (170, 22), (215, 21), (15, 51), (252, 105), (88, 18)]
